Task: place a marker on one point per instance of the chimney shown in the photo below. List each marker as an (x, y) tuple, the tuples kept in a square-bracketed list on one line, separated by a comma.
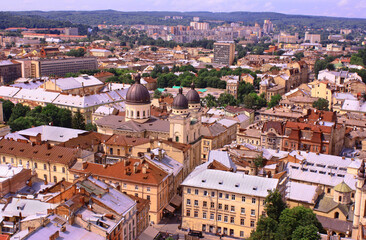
[(160, 154), (144, 169)]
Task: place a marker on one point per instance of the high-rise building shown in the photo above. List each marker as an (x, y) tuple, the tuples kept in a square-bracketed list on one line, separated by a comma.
[(312, 38), (59, 67), (200, 25), (196, 19), (9, 71), (267, 26), (224, 52)]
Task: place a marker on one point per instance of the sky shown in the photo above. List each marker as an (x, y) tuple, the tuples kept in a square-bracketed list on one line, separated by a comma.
[(339, 8)]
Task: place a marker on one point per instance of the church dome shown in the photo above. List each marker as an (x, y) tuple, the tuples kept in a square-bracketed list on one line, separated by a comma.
[(138, 93), (180, 101), (193, 96)]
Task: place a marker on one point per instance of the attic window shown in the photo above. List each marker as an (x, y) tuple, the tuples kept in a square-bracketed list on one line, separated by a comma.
[(11, 148), (203, 180), (221, 182), (60, 156), (48, 154), (22, 150), (237, 185), (255, 188), (35, 152)]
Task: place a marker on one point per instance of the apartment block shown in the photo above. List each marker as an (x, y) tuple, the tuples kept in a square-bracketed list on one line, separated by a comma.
[(224, 52)]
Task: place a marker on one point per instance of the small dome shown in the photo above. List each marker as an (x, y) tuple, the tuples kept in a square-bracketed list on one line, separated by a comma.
[(180, 101), (193, 96), (138, 93), (343, 188)]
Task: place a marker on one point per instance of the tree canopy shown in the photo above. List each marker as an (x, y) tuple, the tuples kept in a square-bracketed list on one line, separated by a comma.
[(321, 104)]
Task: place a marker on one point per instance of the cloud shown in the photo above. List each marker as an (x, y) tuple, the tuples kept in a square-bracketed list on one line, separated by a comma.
[(342, 3)]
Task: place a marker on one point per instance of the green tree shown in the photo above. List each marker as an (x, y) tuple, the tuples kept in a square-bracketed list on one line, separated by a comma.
[(157, 93), (91, 127), (275, 100), (306, 233), (274, 205), (321, 104), (18, 111), (7, 109), (294, 220), (356, 60), (299, 55), (64, 117), (265, 230), (226, 99), (76, 52), (78, 121), (210, 101)]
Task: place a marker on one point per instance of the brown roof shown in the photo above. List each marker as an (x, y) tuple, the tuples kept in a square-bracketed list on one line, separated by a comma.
[(277, 126), (120, 140), (234, 109), (303, 126), (44, 152), (181, 146), (141, 203), (86, 140), (119, 171), (150, 80), (326, 116)]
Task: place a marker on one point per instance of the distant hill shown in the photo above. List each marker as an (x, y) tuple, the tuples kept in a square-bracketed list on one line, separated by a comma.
[(127, 18), (12, 19), (282, 21)]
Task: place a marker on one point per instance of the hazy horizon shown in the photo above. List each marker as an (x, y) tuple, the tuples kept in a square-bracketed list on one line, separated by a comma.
[(338, 8)]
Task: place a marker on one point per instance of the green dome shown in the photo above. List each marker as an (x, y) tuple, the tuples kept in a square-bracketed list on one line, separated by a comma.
[(343, 188)]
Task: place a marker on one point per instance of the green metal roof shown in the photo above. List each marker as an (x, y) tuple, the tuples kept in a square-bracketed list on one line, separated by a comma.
[(343, 188)]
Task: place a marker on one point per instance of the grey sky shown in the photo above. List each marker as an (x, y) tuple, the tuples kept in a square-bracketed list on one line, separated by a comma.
[(342, 8)]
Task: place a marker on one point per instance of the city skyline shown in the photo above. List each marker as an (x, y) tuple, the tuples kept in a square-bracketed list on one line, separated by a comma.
[(339, 8)]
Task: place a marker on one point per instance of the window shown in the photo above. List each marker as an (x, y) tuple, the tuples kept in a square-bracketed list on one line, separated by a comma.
[(233, 197), (242, 221), (177, 139), (63, 170), (4, 159), (111, 151), (219, 217), (231, 232), (54, 168), (203, 227), (189, 190), (336, 215), (196, 214), (225, 219), (20, 161), (188, 213), (204, 204), (226, 207), (212, 194), (227, 196), (196, 202), (188, 201), (143, 113), (138, 114), (136, 195), (148, 189), (232, 220), (232, 208), (55, 179), (252, 212), (243, 199), (148, 197), (212, 216), (125, 185), (220, 206), (253, 200), (328, 190), (204, 215), (220, 195), (196, 191), (136, 187), (45, 177), (340, 198), (212, 205), (45, 166), (241, 233), (242, 211), (12, 160), (252, 224), (205, 193)]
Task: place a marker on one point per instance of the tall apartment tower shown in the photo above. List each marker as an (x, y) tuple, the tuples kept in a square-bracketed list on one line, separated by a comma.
[(224, 52), (267, 26)]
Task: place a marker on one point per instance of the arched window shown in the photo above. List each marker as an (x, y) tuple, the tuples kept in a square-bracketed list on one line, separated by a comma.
[(63, 170), (340, 198), (131, 113), (138, 114), (55, 179), (143, 113), (336, 215), (177, 139)]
